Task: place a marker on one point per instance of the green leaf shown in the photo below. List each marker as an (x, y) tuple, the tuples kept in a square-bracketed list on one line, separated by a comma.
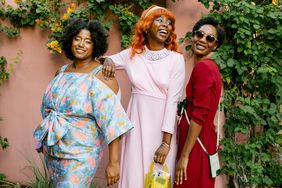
[(188, 47), (256, 26), (181, 40), (100, 1), (188, 35), (228, 80), (266, 69)]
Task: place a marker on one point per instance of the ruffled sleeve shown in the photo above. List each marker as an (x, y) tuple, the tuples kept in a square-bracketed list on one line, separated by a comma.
[(202, 80), (175, 91), (108, 112)]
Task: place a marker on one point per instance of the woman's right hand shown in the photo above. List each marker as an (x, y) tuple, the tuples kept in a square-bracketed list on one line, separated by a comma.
[(108, 68), (112, 173), (161, 154)]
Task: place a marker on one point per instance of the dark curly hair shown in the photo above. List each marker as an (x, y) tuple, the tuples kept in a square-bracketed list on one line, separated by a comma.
[(98, 35), (211, 21)]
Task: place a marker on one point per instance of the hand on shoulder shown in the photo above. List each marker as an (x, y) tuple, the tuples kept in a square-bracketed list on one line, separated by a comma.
[(111, 83)]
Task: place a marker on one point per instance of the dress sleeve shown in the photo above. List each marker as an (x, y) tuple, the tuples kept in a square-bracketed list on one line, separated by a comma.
[(175, 91), (120, 59), (46, 104), (42, 110), (109, 113), (202, 81)]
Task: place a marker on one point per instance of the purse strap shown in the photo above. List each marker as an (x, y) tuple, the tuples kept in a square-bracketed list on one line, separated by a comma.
[(183, 109)]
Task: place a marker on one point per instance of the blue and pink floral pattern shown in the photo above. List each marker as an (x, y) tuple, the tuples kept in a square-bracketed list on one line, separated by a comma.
[(80, 115)]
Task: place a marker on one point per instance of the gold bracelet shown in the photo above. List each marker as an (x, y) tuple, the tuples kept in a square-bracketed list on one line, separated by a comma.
[(165, 144)]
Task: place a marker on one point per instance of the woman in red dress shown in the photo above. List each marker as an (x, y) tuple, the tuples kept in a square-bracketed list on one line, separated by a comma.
[(203, 94)]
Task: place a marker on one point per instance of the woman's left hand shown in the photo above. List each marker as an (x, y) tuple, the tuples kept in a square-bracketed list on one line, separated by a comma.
[(112, 173), (181, 170), (161, 154)]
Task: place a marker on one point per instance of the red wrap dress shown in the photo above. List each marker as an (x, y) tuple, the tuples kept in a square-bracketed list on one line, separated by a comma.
[(203, 94)]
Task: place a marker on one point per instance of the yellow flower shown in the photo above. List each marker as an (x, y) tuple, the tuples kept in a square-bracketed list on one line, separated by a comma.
[(39, 21), (73, 5), (65, 17), (56, 28), (275, 2), (70, 10), (17, 1), (59, 50), (54, 47)]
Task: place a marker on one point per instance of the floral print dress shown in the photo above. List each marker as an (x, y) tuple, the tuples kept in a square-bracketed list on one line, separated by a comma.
[(80, 115)]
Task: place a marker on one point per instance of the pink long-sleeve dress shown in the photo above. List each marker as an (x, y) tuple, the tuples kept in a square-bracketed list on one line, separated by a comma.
[(157, 79)]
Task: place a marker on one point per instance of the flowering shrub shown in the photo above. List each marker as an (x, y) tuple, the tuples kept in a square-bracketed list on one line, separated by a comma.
[(55, 14), (54, 46)]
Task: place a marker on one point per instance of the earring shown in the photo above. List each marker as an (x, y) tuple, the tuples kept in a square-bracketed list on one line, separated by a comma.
[(146, 34), (167, 41)]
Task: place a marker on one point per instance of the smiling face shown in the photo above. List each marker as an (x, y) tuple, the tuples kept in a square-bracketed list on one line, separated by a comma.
[(160, 29), (202, 43), (82, 45)]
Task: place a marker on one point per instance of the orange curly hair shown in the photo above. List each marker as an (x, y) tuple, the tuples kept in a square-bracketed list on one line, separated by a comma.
[(144, 23)]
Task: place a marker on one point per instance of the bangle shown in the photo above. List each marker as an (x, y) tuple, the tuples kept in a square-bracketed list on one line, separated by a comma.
[(165, 144)]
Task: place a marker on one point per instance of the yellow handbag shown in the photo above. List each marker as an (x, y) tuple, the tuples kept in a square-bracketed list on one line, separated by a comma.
[(157, 179)]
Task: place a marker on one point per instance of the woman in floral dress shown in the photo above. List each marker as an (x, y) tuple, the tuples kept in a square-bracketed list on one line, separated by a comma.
[(81, 112)]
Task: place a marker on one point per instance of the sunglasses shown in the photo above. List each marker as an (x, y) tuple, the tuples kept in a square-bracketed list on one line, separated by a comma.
[(209, 38)]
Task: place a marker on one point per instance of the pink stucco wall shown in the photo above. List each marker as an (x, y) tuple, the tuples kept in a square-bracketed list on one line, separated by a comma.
[(20, 96)]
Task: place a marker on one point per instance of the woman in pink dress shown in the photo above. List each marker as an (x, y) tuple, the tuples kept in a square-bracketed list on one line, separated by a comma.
[(203, 94), (157, 74)]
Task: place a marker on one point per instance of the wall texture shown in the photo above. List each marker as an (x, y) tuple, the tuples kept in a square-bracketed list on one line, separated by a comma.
[(20, 96)]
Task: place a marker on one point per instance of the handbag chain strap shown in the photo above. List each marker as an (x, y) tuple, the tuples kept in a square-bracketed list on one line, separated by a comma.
[(198, 139)]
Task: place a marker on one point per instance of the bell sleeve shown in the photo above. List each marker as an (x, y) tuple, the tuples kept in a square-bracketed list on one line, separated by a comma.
[(202, 80), (120, 59), (175, 91), (108, 112)]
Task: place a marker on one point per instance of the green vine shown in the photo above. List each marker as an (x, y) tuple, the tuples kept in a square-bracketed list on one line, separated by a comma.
[(28, 11), (4, 142), (126, 21), (4, 74), (54, 15), (11, 32)]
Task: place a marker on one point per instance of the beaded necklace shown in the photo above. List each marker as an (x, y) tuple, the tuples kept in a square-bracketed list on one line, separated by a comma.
[(155, 55)]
